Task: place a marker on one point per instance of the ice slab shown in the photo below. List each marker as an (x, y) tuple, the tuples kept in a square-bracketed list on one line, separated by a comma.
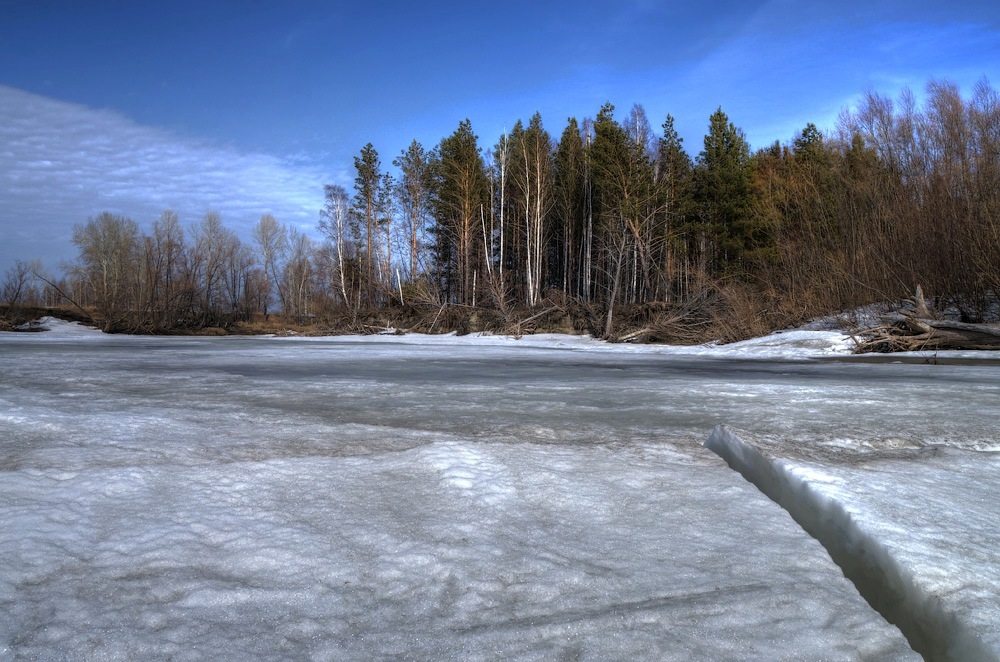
[(916, 529)]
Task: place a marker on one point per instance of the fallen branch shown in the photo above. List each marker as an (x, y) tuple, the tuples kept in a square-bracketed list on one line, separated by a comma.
[(520, 323)]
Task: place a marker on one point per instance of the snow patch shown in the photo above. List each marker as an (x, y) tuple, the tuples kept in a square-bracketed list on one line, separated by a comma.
[(56, 326), (790, 344)]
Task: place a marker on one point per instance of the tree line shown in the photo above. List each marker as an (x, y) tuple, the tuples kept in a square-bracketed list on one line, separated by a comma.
[(610, 216)]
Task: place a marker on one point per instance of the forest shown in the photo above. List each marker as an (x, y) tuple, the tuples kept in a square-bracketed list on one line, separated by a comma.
[(613, 225)]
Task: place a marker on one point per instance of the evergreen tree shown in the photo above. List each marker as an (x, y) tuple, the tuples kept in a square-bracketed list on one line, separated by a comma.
[(809, 144), (722, 191), (674, 173), (625, 205), (413, 192), (570, 199), (625, 196), (643, 216), (495, 231), (514, 212), (368, 192), (461, 189)]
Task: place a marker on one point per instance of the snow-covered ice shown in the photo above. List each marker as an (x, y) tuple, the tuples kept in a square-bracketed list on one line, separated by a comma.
[(434, 498), (450, 550)]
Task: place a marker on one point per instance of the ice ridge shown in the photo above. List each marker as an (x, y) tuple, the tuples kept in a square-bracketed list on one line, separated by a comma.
[(865, 559)]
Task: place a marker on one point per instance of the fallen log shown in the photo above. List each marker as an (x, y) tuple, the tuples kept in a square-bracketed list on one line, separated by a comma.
[(909, 333)]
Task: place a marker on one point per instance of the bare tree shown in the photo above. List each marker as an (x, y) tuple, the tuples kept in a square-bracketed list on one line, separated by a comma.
[(108, 248), (240, 263), (165, 254), (299, 273), (215, 246), (271, 239), (18, 286)]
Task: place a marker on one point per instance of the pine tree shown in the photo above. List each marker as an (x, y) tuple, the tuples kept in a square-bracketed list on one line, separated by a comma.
[(461, 189), (570, 198), (625, 205), (722, 191), (674, 172), (368, 191), (413, 191), (809, 144), (494, 222)]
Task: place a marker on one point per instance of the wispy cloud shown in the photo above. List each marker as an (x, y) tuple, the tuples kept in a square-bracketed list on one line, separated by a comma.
[(61, 163)]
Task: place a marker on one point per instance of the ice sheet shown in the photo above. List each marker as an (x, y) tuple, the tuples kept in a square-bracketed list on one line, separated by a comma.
[(238, 498)]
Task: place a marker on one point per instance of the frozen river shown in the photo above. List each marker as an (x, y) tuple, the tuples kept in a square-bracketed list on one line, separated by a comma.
[(453, 498)]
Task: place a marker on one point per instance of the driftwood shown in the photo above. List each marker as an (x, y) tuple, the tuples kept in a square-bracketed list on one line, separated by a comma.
[(912, 330)]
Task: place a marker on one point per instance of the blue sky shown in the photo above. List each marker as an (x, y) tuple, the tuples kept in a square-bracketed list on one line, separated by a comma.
[(250, 107)]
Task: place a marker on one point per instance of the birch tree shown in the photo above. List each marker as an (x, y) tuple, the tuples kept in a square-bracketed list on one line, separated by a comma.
[(533, 178), (334, 223)]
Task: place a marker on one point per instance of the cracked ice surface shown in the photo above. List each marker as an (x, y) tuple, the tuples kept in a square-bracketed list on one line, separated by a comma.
[(336, 499)]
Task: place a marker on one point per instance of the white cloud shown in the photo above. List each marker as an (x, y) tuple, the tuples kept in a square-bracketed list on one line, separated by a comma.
[(62, 163)]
